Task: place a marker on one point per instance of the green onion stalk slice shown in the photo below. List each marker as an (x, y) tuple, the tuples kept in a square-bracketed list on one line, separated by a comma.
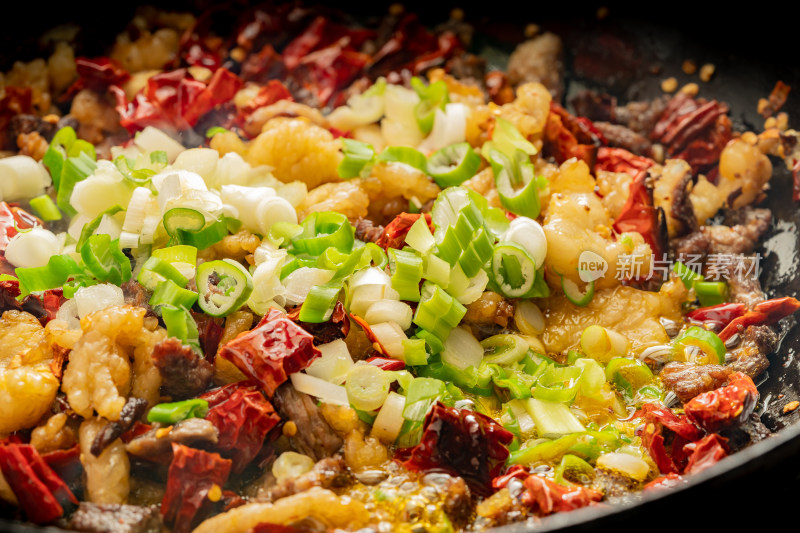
[(156, 270), (172, 413), (54, 274), (711, 293), (367, 386), (224, 286), (558, 384), (105, 260), (45, 208), (322, 230), (406, 155), (687, 275), (453, 165), (183, 218), (205, 237), (438, 312), (513, 270), (168, 292), (432, 97), (181, 325), (712, 349), (357, 155), (406, 270), (574, 469), (628, 374), (574, 294), (504, 350)]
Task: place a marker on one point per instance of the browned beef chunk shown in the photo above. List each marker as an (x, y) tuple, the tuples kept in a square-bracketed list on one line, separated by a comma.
[(499, 509), (750, 356), (740, 272), (330, 472), (624, 137), (457, 501), (640, 117), (314, 436), (367, 230), (135, 294), (115, 518), (196, 432), (488, 313), (749, 224), (132, 411), (687, 380), (184, 372)]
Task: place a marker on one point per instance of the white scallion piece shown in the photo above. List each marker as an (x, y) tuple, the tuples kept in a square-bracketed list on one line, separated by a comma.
[(389, 422), (529, 234), (325, 391), (32, 248), (462, 350), (21, 178), (299, 283), (391, 337), (152, 139), (333, 364), (386, 310)]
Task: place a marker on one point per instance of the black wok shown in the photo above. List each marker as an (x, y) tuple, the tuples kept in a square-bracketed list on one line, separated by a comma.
[(757, 485)]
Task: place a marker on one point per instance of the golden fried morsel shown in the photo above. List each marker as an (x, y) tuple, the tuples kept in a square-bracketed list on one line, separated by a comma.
[(107, 475), (100, 374), (528, 112), (347, 197)]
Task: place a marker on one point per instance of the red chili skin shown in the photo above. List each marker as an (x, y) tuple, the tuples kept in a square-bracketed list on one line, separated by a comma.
[(546, 497), (656, 418), (270, 93), (243, 418), (515, 472), (462, 442), (394, 234), (566, 137), (271, 351), (97, 74), (41, 493), (11, 218), (725, 406), (764, 313), (385, 363), (706, 452), (796, 181), (368, 332), (717, 316), (337, 327), (44, 307), (668, 481), (640, 215), (192, 473), (621, 160)]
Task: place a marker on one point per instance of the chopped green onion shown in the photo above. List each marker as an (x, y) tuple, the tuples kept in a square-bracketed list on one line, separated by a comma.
[(628, 374), (163, 270), (573, 468), (516, 382), (168, 292), (183, 218), (283, 232), (58, 270), (438, 312), (558, 384), (105, 260), (92, 226), (711, 346), (507, 138), (419, 236), (552, 419), (45, 208), (513, 270), (367, 386), (406, 155), (322, 230), (159, 157), (357, 155), (224, 286), (687, 275), (140, 176), (177, 254), (432, 97), (517, 186), (504, 349), (414, 353), (75, 169), (210, 132), (431, 340), (172, 413), (574, 294), (421, 394), (181, 325), (203, 238), (588, 445), (711, 292), (453, 165), (406, 268)]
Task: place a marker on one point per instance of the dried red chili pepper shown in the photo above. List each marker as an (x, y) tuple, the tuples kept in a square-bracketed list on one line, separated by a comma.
[(776, 99), (44, 307), (765, 313), (337, 327), (725, 406), (324, 73), (40, 492), (368, 332), (271, 351), (796, 181), (394, 234), (566, 136), (385, 363), (547, 497), (668, 481), (668, 456), (640, 215), (717, 316), (621, 160), (210, 332), (14, 101), (67, 465), (192, 474), (515, 472), (97, 74), (322, 33), (11, 219), (270, 93), (706, 452), (175, 100), (466, 443)]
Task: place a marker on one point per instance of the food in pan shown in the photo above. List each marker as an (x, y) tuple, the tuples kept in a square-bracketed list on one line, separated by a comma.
[(316, 275)]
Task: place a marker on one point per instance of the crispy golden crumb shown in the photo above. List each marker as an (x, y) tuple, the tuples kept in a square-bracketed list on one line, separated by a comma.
[(691, 89), (214, 493), (532, 30), (290, 429), (457, 14), (689, 67), (707, 71), (791, 406), (669, 85), (771, 122), (762, 105), (238, 54), (782, 121)]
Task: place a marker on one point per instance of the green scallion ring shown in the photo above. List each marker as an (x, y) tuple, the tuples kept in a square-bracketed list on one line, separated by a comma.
[(453, 165), (224, 286), (513, 269)]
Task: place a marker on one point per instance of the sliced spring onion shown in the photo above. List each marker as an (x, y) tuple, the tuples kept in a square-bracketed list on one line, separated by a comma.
[(467, 290), (406, 155), (529, 318), (573, 468), (156, 270), (391, 337), (438, 312), (420, 395), (333, 363), (389, 422), (386, 310), (183, 218), (687, 275), (74, 170), (283, 232), (367, 387), (432, 97), (517, 186), (462, 350), (32, 248), (558, 384), (513, 270), (172, 413), (504, 349), (357, 155), (712, 349), (92, 226), (419, 237), (414, 353), (205, 237), (224, 286), (628, 374), (319, 388), (530, 235), (168, 292), (453, 165), (97, 297), (574, 294), (45, 208), (507, 138), (105, 260), (322, 230), (406, 268), (180, 324), (436, 270), (552, 419), (177, 254), (629, 465), (711, 292)]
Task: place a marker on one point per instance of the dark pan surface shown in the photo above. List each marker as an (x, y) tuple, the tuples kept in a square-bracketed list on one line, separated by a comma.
[(757, 486)]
